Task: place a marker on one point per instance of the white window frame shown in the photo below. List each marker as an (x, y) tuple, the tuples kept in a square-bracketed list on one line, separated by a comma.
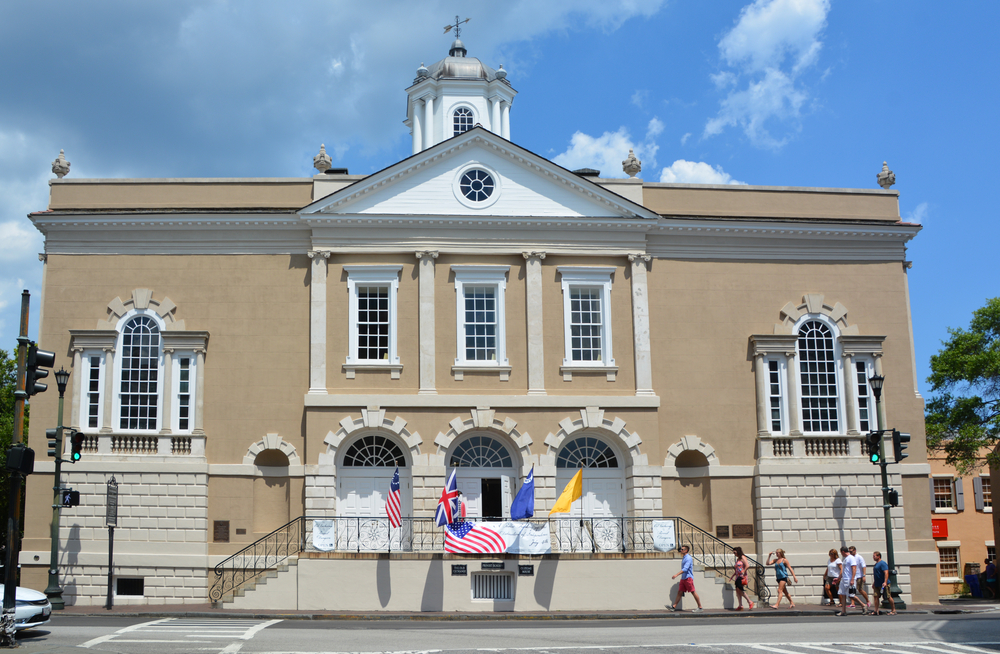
[(454, 110), (363, 275), (600, 277), (116, 410), (782, 364), (954, 484), (980, 495), (950, 545), (869, 372), (838, 361), (85, 371), (175, 391), (476, 276)]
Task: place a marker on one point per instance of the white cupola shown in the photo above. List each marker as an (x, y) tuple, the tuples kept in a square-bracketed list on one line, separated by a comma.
[(454, 95)]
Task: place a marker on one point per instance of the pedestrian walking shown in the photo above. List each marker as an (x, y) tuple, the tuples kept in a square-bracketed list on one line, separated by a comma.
[(846, 588), (880, 584), (739, 577), (832, 578), (860, 577), (687, 580), (782, 570)]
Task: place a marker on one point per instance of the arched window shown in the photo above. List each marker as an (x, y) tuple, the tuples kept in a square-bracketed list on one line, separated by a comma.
[(140, 366), (587, 452), (462, 120), (818, 378), (374, 451), (481, 452)]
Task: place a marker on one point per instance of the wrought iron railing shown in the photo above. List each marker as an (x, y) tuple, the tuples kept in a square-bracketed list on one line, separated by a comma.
[(257, 559), (566, 535)]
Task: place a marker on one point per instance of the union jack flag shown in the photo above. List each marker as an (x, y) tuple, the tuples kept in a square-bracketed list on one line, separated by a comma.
[(392, 502), (447, 509), (473, 538)]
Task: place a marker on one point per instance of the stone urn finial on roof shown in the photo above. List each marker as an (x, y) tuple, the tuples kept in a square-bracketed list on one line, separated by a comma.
[(886, 178), (632, 166), (60, 166), (322, 161)]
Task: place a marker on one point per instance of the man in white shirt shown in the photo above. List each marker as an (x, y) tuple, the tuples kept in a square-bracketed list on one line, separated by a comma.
[(848, 564), (859, 579)]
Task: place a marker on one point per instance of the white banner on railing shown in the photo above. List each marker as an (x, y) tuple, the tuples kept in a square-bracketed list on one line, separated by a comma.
[(324, 535), (524, 537), (664, 539)]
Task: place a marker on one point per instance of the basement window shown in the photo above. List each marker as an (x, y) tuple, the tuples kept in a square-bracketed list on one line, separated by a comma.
[(129, 587)]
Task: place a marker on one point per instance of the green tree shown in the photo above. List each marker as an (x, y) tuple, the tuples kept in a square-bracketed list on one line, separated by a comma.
[(963, 417), (8, 384)]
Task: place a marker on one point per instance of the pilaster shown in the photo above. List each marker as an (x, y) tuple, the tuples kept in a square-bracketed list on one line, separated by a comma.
[(317, 323), (427, 260), (536, 331), (640, 325)]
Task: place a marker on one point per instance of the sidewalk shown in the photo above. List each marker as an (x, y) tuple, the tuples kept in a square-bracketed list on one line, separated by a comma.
[(207, 610)]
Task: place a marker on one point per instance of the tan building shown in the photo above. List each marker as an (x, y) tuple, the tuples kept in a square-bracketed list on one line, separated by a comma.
[(961, 522), (246, 352)]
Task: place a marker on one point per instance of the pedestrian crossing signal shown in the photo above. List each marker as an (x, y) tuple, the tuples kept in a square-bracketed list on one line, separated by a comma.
[(70, 497)]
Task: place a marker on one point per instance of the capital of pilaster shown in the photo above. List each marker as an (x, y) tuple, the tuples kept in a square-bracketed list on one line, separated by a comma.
[(43, 257), (640, 257), (431, 254), (533, 255), (321, 253)]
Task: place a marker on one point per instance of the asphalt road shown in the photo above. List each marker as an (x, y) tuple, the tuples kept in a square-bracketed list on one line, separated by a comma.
[(916, 634)]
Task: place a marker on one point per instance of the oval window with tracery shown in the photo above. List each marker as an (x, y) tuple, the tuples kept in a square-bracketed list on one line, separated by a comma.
[(374, 452), (587, 452), (477, 185), (481, 452)]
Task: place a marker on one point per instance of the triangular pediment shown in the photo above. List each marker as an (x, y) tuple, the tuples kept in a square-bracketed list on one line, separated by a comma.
[(513, 182)]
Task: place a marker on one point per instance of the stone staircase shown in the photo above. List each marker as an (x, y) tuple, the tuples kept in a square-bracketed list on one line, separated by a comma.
[(268, 582)]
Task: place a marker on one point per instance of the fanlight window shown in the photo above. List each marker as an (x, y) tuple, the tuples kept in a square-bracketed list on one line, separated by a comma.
[(374, 452), (587, 452), (481, 452), (462, 120)]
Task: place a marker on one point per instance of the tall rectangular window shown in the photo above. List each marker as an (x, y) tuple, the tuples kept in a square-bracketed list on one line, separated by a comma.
[(587, 316), (184, 394), (820, 395), (775, 393), (866, 419), (987, 491), (139, 396), (480, 292), (372, 292), (93, 393), (480, 323), (373, 323)]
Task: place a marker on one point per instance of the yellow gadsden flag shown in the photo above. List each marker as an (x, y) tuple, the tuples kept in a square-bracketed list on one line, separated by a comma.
[(573, 491)]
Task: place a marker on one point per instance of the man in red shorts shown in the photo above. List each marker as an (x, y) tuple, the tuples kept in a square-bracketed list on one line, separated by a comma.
[(687, 580)]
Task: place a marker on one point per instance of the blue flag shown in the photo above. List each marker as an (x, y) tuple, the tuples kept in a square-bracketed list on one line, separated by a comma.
[(524, 504)]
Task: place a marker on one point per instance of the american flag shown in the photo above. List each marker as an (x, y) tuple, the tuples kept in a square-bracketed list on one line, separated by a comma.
[(473, 538), (447, 509), (392, 502)]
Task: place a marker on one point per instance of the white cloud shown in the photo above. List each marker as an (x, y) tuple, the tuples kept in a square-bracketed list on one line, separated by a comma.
[(918, 215), (696, 172), (606, 152), (772, 44), (684, 139), (640, 97)]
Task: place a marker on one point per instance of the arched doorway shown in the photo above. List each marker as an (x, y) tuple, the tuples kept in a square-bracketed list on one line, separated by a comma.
[(364, 474), (603, 477), (485, 479)]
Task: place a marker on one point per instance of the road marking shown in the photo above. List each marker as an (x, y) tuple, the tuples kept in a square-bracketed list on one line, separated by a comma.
[(241, 630), (104, 639)]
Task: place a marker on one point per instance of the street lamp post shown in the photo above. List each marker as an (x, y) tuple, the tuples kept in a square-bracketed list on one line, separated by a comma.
[(53, 591), (876, 382)]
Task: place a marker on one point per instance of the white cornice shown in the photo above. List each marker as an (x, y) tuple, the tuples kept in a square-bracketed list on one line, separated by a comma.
[(785, 240), (472, 401)]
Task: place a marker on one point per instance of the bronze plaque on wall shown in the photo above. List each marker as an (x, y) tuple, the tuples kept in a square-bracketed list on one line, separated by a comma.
[(722, 531), (743, 531), (220, 531)]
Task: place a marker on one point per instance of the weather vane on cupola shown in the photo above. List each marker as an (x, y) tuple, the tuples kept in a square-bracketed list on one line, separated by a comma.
[(457, 27)]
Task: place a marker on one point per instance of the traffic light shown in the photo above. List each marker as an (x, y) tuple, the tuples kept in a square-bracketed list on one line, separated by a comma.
[(873, 440), (893, 497), (55, 439), (76, 440), (899, 442), (21, 459), (38, 361), (70, 497)]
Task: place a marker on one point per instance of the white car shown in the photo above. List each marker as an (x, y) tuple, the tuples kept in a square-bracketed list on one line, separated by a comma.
[(31, 608)]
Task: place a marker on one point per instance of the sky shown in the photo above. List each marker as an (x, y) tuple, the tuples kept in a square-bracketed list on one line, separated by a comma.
[(814, 93)]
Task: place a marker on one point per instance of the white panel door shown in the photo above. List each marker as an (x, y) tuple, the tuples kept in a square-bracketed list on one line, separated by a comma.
[(472, 492), (362, 495)]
